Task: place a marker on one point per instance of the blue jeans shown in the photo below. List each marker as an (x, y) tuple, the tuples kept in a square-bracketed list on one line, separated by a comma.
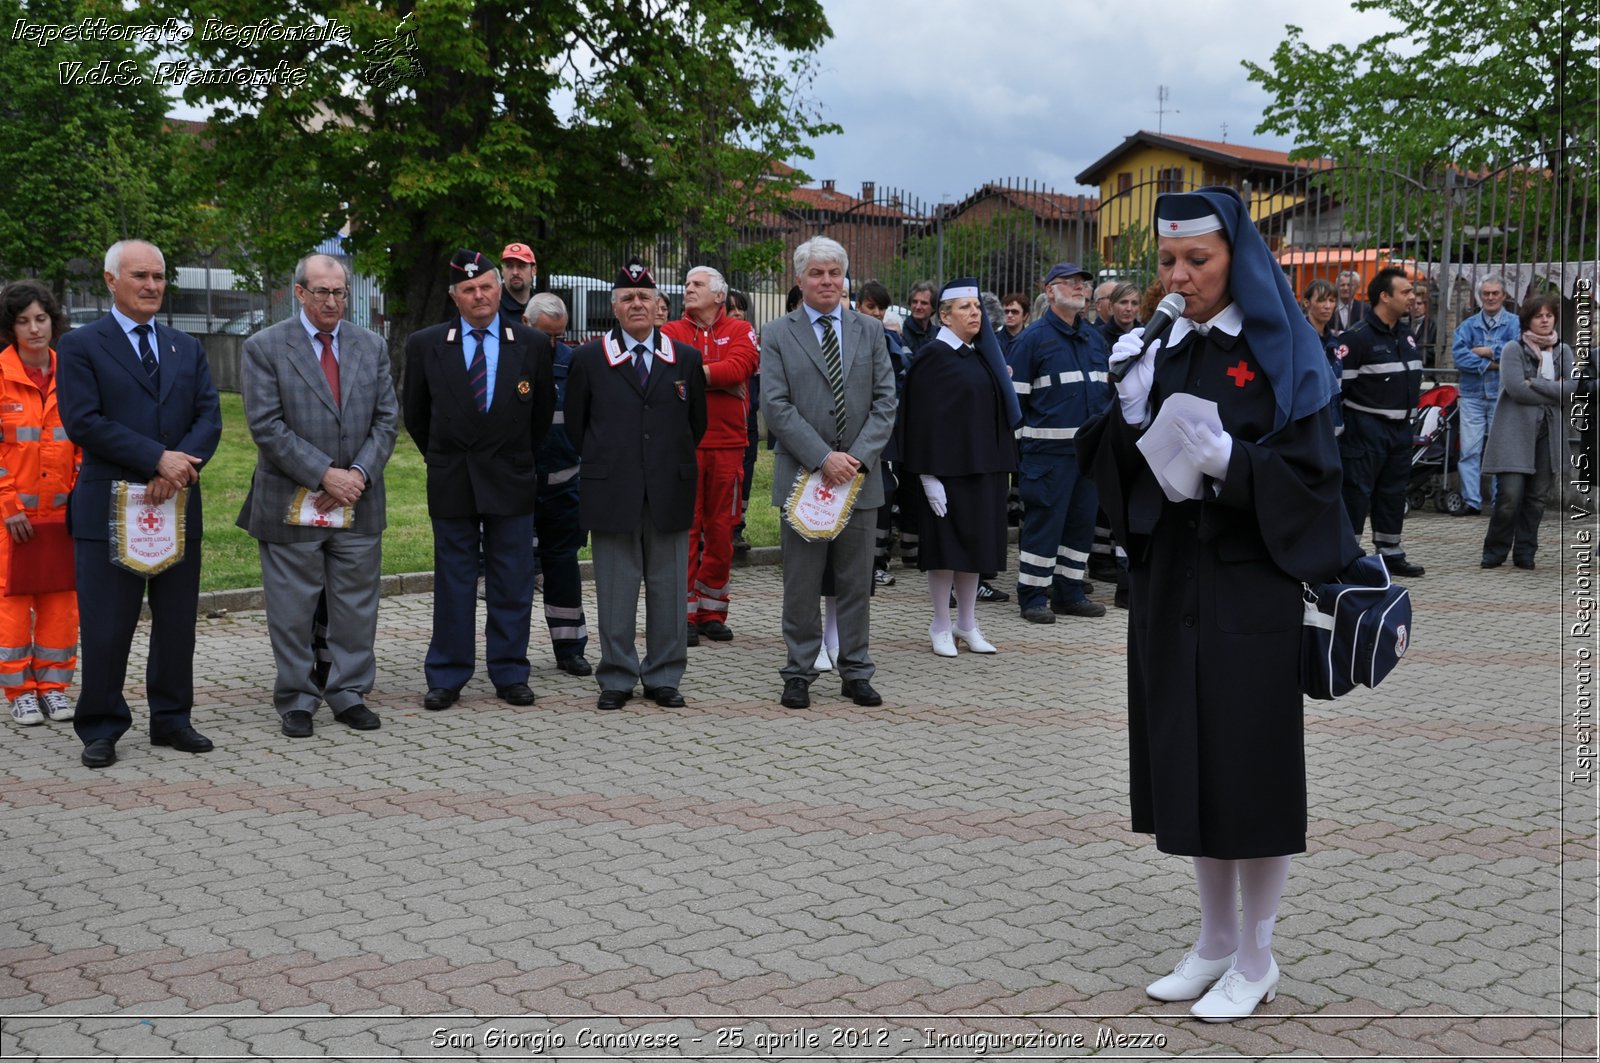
[(1477, 414)]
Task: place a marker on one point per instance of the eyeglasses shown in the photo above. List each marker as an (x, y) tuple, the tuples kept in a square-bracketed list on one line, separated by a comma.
[(1070, 282), (1013, 310), (322, 295)]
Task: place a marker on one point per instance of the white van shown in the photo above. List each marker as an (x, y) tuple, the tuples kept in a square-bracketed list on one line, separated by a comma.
[(588, 301)]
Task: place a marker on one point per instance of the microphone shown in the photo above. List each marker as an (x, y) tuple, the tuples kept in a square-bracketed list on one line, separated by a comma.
[(1169, 310)]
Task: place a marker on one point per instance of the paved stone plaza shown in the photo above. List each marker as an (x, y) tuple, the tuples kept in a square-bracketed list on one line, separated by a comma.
[(944, 877)]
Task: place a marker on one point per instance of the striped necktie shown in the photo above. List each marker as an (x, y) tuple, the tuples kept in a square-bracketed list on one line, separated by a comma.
[(641, 368), (478, 372), (147, 354), (835, 366)]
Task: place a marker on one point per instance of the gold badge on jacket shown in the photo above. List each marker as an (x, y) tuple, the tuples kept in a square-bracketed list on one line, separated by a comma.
[(524, 389)]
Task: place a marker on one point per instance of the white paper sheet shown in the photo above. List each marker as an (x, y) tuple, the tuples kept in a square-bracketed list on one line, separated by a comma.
[(1162, 446)]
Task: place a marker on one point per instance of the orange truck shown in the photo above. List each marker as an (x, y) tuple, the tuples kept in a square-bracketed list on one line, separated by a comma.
[(1302, 266)]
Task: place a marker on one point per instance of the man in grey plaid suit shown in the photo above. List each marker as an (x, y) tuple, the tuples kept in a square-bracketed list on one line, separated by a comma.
[(322, 409)]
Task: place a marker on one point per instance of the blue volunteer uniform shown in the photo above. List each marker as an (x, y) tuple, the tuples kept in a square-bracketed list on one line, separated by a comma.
[(1059, 372), (559, 535), (1381, 378)]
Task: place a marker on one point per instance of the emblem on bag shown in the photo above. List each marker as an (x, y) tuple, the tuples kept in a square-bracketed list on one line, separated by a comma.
[(1401, 641)]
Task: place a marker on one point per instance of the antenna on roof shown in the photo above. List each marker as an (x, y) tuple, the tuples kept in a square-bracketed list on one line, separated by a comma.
[(1224, 132), (1162, 94)]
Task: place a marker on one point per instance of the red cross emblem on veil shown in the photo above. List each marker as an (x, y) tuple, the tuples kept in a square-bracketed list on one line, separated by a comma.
[(150, 521)]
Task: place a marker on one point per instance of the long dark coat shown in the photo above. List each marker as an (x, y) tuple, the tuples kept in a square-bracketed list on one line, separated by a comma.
[(1216, 745), (638, 444)]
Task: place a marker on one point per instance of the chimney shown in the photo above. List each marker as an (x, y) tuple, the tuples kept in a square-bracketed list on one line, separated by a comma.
[(827, 184), (867, 190)]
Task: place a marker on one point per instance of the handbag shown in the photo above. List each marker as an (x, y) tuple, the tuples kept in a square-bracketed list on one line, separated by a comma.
[(1356, 629)]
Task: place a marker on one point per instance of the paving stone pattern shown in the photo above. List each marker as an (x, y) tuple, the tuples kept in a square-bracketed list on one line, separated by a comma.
[(949, 876)]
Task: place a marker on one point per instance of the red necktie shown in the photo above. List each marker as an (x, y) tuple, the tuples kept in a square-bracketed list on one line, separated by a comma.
[(330, 365)]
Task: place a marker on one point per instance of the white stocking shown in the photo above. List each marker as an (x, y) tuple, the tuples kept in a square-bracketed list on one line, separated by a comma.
[(1218, 886), (939, 582), (830, 624), (1261, 885), (966, 600)]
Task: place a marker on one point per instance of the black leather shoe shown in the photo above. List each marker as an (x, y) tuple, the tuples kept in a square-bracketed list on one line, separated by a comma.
[(1490, 562), (101, 753), (796, 694), (1469, 511), (860, 691), (666, 697), (184, 739), (716, 631), (1081, 607), (694, 635), (297, 724), (439, 698), (1401, 567), (515, 694), (1523, 564), (613, 699), (358, 717), (1039, 614), (575, 665)]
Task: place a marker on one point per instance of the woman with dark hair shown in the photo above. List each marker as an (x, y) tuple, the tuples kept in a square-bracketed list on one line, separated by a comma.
[(1526, 440), (958, 414), (1319, 299), (38, 466), (1125, 298), (1216, 743)]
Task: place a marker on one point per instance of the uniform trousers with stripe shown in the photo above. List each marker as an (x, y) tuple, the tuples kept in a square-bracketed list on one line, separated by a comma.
[(1058, 508), (1376, 453), (560, 537), (717, 505), (38, 642)]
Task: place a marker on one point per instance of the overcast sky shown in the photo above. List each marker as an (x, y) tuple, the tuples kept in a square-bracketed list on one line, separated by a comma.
[(938, 96)]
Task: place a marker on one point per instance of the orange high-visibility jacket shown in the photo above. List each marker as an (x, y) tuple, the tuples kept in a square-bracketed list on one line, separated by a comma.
[(38, 463)]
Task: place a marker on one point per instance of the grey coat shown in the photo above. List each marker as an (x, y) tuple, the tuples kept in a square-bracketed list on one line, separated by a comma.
[(1528, 403), (797, 401), (300, 434)]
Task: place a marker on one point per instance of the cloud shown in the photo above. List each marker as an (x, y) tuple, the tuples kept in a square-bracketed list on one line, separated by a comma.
[(937, 97)]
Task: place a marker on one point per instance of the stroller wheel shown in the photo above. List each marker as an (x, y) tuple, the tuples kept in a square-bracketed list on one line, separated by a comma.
[(1450, 502), (1415, 499)]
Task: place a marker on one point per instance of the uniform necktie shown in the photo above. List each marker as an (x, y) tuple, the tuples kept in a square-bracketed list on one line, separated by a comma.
[(147, 354), (640, 369), (835, 366), (330, 365), (478, 372)]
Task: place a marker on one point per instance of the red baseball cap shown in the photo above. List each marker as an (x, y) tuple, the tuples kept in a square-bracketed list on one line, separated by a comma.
[(520, 252)]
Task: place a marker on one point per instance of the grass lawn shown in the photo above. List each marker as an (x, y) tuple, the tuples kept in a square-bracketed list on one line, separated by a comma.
[(230, 558)]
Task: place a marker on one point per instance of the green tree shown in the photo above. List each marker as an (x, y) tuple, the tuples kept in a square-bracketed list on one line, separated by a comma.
[(86, 158), (449, 123), (1459, 81)]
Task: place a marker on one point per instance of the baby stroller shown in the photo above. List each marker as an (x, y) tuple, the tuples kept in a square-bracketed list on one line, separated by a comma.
[(1435, 451)]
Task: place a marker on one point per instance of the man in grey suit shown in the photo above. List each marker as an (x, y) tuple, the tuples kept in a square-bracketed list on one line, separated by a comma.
[(814, 358), (322, 409)]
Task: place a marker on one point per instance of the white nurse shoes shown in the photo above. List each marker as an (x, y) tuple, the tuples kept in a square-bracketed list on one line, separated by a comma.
[(1235, 996), (1191, 978)]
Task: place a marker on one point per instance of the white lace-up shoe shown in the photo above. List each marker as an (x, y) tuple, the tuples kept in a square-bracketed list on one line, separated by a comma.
[(1191, 978), (1235, 996), (975, 640), (944, 643)]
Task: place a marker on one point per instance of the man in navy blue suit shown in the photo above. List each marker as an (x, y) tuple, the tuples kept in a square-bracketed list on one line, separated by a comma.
[(138, 398)]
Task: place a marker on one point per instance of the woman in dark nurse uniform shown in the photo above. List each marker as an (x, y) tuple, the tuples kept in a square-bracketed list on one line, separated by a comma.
[(1217, 758)]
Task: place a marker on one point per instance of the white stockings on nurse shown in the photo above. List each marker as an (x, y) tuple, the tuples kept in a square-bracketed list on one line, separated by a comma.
[(940, 581), (1223, 885)]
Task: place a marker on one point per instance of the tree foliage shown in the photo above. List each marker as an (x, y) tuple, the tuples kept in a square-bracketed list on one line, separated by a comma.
[(85, 156), (1459, 81), (449, 123), (1004, 251)]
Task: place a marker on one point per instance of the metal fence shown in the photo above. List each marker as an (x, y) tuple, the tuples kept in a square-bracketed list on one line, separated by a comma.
[(1529, 220)]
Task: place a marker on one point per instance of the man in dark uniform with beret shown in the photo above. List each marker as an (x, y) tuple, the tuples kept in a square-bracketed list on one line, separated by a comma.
[(636, 408), (479, 397)]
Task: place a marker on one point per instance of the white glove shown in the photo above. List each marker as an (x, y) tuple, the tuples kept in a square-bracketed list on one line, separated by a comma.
[(1134, 389), (1208, 451), (935, 492)]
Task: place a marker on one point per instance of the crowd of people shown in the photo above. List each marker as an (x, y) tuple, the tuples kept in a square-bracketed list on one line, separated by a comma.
[(1291, 415)]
